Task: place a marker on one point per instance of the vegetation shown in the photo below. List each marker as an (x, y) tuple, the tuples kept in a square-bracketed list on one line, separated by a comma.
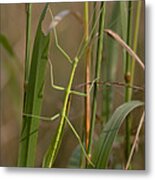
[(104, 61)]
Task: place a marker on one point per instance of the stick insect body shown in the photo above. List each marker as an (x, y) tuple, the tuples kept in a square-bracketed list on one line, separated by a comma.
[(53, 149), (56, 142)]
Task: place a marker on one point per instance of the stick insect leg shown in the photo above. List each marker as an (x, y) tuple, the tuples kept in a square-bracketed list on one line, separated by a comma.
[(52, 26), (52, 80), (42, 117), (79, 139), (84, 94), (78, 93)]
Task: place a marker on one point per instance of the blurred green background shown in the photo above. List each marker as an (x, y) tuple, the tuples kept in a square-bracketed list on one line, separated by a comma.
[(70, 32)]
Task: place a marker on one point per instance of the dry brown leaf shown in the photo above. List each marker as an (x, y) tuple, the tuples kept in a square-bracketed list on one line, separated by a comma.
[(124, 45)]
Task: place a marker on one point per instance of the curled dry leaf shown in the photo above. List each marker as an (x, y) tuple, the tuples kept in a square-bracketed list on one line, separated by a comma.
[(124, 45)]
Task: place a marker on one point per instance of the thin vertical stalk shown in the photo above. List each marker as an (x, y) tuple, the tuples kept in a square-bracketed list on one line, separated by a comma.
[(127, 77), (137, 23), (128, 60), (28, 40), (130, 76), (93, 47), (97, 74), (22, 160), (28, 48), (87, 76)]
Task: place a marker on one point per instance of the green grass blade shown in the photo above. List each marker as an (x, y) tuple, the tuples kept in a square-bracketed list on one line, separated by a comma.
[(34, 94), (104, 144)]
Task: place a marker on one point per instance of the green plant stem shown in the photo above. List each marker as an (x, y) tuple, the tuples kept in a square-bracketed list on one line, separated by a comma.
[(28, 48), (137, 24), (28, 41), (22, 160), (130, 79), (127, 77), (129, 33), (97, 74), (93, 34)]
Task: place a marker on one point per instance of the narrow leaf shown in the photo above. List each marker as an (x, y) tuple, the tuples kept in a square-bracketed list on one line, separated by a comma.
[(124, 16), (103, 146), (34, 96)]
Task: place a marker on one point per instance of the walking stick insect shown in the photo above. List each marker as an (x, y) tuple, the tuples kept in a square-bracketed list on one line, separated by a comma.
[(53, 149), (33, 97)]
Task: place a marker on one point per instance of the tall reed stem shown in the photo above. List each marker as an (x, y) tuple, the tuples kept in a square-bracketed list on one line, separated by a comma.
[(137, 24), (97, 74), (93, 46), (28, 41), (127, 77), (28, 47), (87, 76), (27, 61), (130, 69)]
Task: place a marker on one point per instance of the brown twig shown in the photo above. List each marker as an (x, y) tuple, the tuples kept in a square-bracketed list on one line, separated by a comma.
[(114, 83), (87, 76)]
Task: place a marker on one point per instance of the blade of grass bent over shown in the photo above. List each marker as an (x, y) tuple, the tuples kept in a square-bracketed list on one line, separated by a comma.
[(34, 95), (104, 144)]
